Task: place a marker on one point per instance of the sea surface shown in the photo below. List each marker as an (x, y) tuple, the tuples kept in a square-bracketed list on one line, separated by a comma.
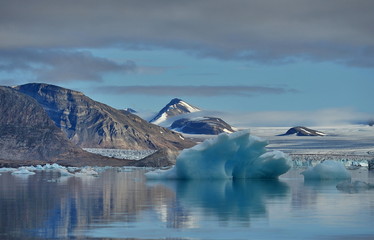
[(121, 204)]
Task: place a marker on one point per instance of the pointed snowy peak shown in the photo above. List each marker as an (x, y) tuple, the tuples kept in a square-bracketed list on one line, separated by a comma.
[(175, 107)]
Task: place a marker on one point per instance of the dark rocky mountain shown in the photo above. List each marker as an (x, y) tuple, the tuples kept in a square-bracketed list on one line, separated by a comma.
[(175, 107), (88, 123), (29, 136), (303, 131), (203, 125)]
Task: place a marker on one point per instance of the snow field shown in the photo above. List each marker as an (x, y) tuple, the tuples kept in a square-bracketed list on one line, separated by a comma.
[(121, 153)]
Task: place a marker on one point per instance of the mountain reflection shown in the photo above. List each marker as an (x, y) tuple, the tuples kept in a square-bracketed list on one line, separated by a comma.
[(48, 206)]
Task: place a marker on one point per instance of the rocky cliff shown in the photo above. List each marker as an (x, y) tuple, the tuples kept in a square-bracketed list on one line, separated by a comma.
[(88, 123), (29, 136)]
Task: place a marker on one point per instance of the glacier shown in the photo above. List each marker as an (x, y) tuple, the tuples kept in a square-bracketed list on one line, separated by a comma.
[(327, 170), (237, 155)]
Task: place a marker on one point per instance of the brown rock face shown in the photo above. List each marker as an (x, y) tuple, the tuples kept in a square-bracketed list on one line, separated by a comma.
[(88, 123), (29, 136)]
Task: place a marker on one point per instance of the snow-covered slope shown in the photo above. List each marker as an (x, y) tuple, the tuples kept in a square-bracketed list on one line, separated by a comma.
[(202, 125), (185, 118), (175, 107)]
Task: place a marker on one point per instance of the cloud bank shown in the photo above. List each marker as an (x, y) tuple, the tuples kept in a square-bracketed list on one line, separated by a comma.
[(201, 91), (60, 65), (269, 31), (324, 117)]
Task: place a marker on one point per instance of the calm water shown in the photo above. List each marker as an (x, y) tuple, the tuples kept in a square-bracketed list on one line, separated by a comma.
[(123, 205)]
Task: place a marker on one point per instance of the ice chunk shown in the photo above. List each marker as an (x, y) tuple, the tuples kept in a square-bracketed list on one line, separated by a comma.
[(23, 170), (87, 171), (327, 170), (8, 169), (236, 155)]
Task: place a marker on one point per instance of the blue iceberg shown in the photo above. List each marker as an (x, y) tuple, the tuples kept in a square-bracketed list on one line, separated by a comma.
[(327, 170), (228, 156)]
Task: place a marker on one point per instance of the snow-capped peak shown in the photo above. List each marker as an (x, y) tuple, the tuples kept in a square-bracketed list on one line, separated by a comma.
[(175, 107)]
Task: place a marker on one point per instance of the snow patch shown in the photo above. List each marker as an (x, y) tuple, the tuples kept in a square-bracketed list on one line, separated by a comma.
[(236, 155), (189, 107), (162, 118)]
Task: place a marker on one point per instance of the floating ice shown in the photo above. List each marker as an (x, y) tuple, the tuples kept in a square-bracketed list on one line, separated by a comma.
[(64, 171), (236, 155), (87, 171), (22, 170), (8, 169), (327, 170)]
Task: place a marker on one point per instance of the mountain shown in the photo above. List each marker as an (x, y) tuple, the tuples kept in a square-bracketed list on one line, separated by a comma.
[(130, 110), (175, 107), (183, 117), (29, 136), (303, 131), (91, 124), (202, 125)]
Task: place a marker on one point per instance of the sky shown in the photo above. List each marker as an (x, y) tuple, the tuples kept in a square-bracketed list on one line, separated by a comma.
[(252, 62)]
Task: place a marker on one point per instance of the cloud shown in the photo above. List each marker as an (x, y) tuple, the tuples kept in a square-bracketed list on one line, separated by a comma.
[(60, 65), (201, 91), (323, 117), (269, 31)]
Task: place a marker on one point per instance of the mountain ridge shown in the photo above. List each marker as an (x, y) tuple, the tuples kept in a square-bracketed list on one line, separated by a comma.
[(89, 123), (29, 136)]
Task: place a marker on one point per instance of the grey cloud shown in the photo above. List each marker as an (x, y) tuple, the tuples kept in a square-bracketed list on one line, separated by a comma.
[(60, 65), (270, 31), (203, 91)]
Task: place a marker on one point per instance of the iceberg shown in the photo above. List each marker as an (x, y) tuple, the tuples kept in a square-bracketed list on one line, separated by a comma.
[(228, 156), (22, 171), (327, 170)]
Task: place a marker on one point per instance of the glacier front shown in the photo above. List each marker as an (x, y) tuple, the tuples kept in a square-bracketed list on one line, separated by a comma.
[(228, 156)]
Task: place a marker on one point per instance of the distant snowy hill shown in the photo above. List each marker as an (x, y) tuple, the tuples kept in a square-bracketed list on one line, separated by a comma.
[(130, 110), (185, 118), (175, 107), (202, 125), (303, 131)]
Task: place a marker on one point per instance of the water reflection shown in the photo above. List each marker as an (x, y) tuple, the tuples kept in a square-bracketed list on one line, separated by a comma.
[(228, 200), (47, 206)]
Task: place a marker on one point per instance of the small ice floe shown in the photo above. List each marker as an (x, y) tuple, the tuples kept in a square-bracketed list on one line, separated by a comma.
[(23, 171), (327, 170), (8, 169), (354, 187), (87, 171)]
